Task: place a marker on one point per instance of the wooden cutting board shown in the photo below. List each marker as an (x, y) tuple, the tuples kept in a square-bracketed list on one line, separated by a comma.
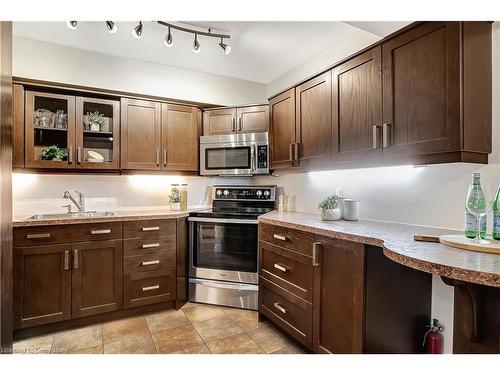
[(459, 241)]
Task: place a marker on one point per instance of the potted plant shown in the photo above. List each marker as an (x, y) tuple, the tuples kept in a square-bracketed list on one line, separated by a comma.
[(175, 200), (95, 121), (330, 208), (54, 153)]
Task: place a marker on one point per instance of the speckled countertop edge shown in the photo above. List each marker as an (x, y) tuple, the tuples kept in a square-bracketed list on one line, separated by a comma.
[(397, 243)]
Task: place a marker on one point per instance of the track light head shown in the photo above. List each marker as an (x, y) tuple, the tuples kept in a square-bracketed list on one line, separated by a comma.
[(72, 24), (196, 45), (226, 48), (168, 39), (111, 26), (137, 31)]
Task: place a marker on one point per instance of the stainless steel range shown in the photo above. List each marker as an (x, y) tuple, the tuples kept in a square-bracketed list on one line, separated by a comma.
[(223, 246)]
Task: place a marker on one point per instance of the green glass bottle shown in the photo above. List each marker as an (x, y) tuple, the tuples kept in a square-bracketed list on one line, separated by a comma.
[(479, 200), (496, 216)]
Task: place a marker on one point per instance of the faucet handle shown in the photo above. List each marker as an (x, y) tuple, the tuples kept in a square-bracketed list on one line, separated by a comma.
[(66, 194), (68, 206)]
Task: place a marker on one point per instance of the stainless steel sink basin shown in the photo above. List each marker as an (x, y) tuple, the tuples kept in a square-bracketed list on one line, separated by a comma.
[(73, 215)]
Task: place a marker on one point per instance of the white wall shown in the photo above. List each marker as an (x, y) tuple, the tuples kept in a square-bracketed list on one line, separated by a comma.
[(52, 62)]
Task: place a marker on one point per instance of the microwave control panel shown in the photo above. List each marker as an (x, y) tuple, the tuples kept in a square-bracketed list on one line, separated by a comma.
[(262, 156)]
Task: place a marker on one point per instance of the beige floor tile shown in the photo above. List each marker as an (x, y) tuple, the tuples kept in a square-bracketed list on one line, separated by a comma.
[(34, 345), (91, 350), (216, 328), (131, 345), (237, 344), (200, 349), (166, 320), (293, 349), (245, 319), (177, 340), (77, 339), (198, 313), (125, 329), (269, 339)]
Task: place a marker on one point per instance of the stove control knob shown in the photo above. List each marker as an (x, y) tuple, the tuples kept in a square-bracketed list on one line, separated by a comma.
[(267, 193), (226, 192), (218, 192), (259, 193)]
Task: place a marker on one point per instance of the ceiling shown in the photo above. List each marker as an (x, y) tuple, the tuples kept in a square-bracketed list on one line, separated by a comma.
[(261, 51)]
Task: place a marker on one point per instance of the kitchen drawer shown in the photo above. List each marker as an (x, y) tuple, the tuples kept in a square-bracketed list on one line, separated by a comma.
[(150, 245), (140, 291), (295, 240), (148, 263), (287, 311), (50, 234), (288, 269), (149, 228)]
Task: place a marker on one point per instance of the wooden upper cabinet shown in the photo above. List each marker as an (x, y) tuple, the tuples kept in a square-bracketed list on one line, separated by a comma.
[(282, 129), (97, 277), (97, 145), (314, 121), (253, 119), (338, 301), (18, 126), (421, 88), (219, 121), (357, 108), (180, 126), (43, 130), (140, 134), (42, 285)]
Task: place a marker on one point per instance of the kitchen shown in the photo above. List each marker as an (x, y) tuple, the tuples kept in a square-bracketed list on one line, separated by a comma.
[(231, 205)]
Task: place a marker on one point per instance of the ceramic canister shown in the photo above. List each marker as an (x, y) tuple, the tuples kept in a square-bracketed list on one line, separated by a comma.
[(351, 209)]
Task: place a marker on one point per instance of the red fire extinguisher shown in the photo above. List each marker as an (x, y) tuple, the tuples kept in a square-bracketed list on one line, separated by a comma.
[(433, 340)]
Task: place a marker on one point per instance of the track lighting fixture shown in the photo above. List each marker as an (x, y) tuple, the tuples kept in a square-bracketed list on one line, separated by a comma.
[(168, 39), (137, 31), (72, 24), (112, 28), (196, 45), (225, 47)]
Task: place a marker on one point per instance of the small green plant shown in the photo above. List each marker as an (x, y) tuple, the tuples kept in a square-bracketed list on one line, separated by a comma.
[(54, 153), (95, 118), (175, 197), (330, 202)]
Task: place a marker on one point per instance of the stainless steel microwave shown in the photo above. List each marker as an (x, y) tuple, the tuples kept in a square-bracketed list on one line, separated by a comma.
[(234, 154)]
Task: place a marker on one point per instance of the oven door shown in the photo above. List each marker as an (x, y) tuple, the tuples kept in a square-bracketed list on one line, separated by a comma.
[(227, 159), (223, 249)]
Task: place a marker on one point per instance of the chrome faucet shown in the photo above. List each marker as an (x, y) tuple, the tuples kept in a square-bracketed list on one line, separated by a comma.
[(80, 204)]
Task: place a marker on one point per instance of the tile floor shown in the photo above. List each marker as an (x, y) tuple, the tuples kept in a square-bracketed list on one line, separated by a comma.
[(194, 329)]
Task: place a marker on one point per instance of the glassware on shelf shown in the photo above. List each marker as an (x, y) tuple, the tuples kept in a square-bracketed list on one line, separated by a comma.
[(478, 204), (44, 118), (61, 119)]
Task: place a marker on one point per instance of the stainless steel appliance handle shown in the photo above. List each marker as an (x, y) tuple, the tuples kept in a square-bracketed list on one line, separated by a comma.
[(278, 307), (223, 221), (376, 137), (386, 135), (253, 157), (316, 248), (223, 285)]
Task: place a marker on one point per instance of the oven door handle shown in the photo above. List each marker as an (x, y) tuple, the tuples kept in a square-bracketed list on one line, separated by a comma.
[(222, 221)]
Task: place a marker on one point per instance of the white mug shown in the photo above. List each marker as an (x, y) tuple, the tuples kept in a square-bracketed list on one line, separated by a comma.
[(351, 209)]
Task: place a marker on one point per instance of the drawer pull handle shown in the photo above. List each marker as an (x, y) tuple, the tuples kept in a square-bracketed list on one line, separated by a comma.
[(280, 237), (152, 287), (150, 245), (151, 262), (150, 229), (278, 307), (280, 267), (100, 231), (37, 236)]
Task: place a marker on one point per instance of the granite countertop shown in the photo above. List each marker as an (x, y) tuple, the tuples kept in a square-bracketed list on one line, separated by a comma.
[(20, 221), (398, 245)]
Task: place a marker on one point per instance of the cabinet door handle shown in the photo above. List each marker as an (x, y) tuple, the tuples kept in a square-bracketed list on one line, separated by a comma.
[(37, 236), (78, 154), (291, 152), (239, 123), (151, 262), (100, 231), (158, 157), (150, 229), (70, 154), (316, 248), (76, 260), (376, 136), (280, 267), (152, 287), (233, 124), (386, 135), (165, 157), (150, 245), (66, 260), (297, 151), (280, 237), (279, 307)]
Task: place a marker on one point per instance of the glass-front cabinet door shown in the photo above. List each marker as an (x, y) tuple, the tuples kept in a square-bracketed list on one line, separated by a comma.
[(49, 130), (97, 133)]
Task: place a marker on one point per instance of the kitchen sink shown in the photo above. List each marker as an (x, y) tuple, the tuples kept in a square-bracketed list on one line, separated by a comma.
[(72, 215)]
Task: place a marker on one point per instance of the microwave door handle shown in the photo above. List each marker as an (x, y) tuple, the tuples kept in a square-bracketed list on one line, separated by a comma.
[(253, 157)]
